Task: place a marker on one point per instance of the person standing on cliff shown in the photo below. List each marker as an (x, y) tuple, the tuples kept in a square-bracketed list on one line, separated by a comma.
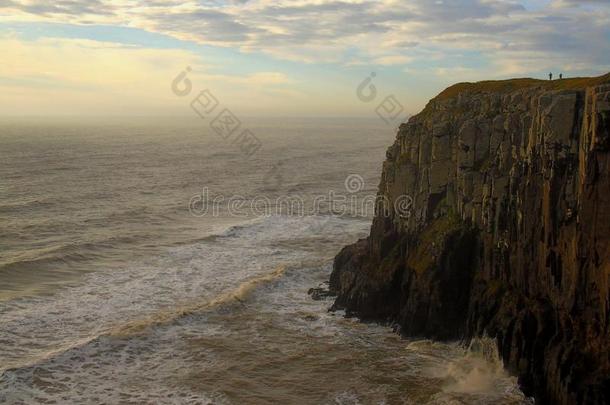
[(560, 76), (551, 76)]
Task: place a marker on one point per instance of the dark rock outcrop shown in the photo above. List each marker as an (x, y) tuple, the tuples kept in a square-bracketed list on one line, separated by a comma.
[(508, 233)]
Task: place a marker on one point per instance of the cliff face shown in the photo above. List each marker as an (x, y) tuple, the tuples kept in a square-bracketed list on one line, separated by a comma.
[(509, 233)]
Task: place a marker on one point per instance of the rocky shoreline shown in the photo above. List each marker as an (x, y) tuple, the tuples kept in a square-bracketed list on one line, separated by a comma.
[(509, 235)]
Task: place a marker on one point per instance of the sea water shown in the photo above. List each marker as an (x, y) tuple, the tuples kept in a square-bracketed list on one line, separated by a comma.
[(115, 289)]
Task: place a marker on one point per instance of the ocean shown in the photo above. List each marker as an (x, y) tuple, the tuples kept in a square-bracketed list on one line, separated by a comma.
[(157, 261)]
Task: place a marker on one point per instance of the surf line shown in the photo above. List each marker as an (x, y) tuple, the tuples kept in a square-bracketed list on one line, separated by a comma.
[(238, 294)]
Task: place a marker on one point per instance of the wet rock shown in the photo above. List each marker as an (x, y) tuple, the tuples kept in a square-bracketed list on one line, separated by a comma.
[(509, 237), (320, 293)]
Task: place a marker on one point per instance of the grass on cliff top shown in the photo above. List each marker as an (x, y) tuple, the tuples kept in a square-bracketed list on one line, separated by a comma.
[(505, 86)]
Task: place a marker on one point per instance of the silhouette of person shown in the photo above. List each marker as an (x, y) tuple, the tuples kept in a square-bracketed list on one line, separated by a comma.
[(551, 76), (560, 76)]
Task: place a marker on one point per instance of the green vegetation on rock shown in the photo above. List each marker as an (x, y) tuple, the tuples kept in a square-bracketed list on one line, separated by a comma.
[(506, 86), (430, 242)]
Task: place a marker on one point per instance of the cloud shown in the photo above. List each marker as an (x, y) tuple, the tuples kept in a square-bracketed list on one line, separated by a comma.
[(383, 32), (213, 26), (60, 7), (80, 76), (577, 3), (393, 60)]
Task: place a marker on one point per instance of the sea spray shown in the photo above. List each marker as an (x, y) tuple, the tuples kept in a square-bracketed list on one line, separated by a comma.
[(477, 370)]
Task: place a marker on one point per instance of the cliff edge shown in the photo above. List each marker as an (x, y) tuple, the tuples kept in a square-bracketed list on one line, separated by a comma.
[(507, 235)]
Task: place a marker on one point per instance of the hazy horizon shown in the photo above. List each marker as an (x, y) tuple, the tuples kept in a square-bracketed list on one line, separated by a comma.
[(262, 58), (201, 200)]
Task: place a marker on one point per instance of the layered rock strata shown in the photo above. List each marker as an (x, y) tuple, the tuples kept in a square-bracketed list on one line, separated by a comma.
[(508, 233)]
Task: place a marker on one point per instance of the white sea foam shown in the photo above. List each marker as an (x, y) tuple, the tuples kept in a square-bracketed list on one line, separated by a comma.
[(216, 321), (221, 319), (186, 276)]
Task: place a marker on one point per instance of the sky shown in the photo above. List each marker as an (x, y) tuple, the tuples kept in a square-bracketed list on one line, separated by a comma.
[(282, 58)]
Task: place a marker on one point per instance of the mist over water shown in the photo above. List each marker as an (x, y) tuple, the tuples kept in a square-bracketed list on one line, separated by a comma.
[(111, 291)]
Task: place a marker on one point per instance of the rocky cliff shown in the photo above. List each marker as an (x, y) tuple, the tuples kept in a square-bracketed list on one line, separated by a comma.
[(508, 233)]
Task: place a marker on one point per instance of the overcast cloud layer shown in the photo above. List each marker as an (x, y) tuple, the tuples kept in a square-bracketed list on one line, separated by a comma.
[(278, 57), (515, 36)]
